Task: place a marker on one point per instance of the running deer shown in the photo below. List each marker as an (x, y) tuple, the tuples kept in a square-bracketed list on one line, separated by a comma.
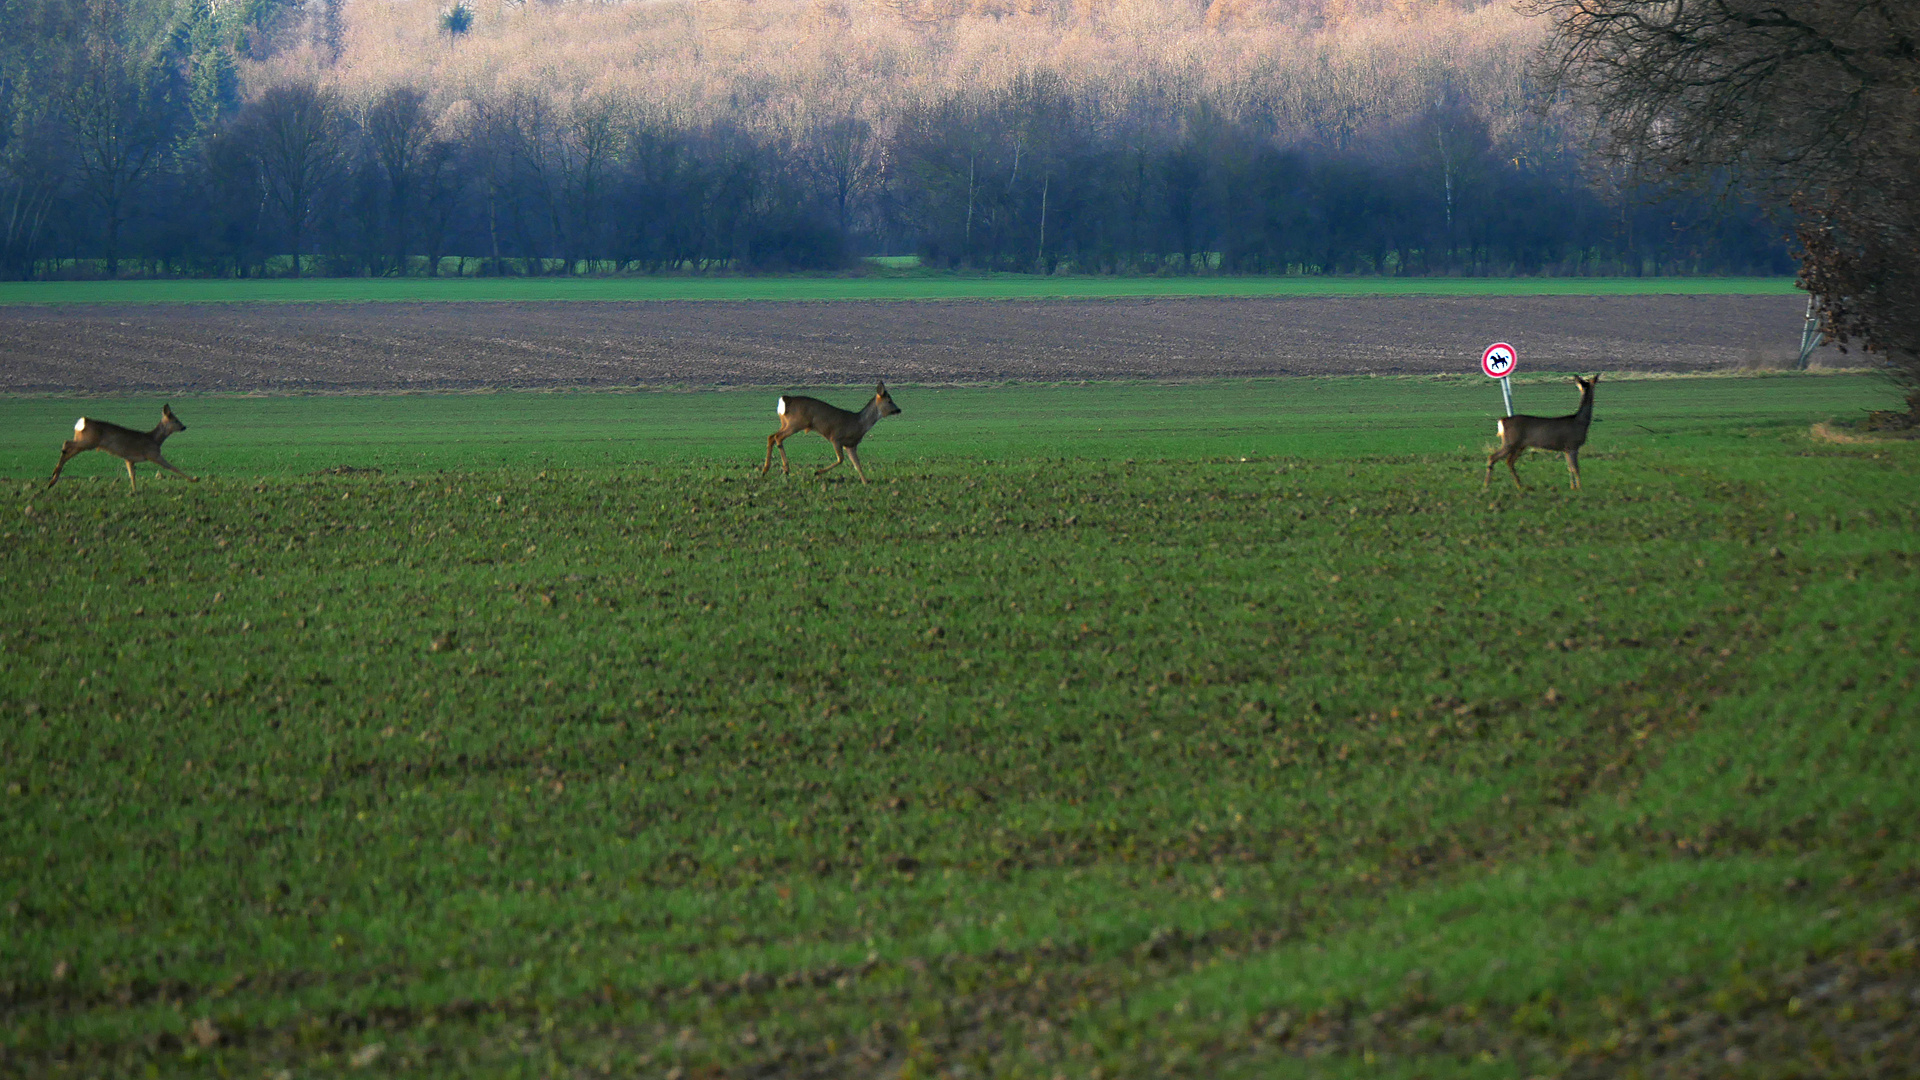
[(1567, 434), (124, 443), (840, 427)]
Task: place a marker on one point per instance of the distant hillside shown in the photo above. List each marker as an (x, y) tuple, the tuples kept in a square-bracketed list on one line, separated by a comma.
[(261, 137), (1328, 71)]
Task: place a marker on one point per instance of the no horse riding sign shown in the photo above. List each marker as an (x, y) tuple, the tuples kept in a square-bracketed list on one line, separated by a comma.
[(1498, 362)]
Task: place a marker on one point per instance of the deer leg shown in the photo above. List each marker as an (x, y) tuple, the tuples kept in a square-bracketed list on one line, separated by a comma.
[(777, 439), (855, 458), (67, 451), (839, 455), (169, 466), (1573, 466), (1511, 458), (1491, 460), (131, 486)]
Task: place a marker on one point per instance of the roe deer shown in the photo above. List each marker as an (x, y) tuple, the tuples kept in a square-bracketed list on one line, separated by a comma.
[(841, 428), (124, 443), (1567, 434)]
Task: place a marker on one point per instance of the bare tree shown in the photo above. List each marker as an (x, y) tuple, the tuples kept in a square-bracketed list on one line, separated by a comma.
[(293, 131), (237, 194), (440, 189), (567, 155), (399, 131), (844, 155), (588, 152), (32, 153), (121, 117), (28, 186), (1813, 103)]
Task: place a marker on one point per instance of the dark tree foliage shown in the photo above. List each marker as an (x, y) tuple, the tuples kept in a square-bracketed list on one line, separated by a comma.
[(1862, 259), (457, 20), (1813, 104)]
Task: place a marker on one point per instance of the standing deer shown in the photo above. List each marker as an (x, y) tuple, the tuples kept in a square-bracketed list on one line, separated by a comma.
[(841, 428), (124, 443), (1567, 434)]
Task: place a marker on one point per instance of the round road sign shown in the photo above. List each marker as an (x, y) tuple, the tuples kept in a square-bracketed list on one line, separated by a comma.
[(1499, 360)]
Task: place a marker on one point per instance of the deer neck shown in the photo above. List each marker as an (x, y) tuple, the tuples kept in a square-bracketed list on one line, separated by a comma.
[(1584, 414), (868, 417)]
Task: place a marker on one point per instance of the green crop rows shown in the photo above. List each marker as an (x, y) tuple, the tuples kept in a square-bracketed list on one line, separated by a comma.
[(1209, 730), (910, 285)]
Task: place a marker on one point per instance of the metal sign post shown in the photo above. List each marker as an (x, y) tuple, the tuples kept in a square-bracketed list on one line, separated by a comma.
[(1498, 362)]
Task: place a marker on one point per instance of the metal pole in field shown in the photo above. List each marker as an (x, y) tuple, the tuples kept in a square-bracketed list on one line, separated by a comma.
[(1810, 336), (1498, 362)]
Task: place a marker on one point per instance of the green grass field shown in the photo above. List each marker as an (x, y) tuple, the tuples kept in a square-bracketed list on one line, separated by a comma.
[(1215, 729), (886, 285)]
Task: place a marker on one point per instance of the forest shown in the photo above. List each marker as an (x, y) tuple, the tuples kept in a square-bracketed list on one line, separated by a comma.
[(244, 138)]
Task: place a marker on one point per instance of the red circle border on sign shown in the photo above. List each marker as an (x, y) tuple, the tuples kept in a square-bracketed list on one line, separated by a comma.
[(1487, 356)]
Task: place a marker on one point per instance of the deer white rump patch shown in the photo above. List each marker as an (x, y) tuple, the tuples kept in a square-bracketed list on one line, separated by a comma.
[(1500, 428), (80, 424), (781, 409)]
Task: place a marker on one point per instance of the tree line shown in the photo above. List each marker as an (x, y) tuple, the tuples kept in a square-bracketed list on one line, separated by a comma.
[(152, 137)]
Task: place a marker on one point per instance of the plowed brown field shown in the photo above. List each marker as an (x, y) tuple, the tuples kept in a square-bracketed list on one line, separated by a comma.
[(456, 346)]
